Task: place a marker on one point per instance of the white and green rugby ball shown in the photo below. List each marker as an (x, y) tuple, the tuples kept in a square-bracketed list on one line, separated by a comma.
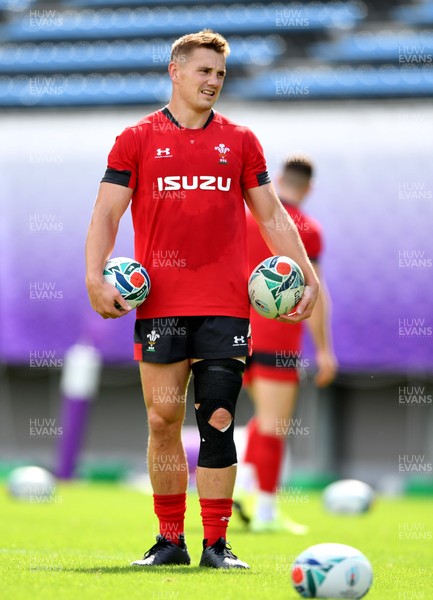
[(275, 286), (332, 571), (348, 496), (130, 278)]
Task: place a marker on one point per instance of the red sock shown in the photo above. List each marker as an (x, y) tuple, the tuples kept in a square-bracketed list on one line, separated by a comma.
[(215, 516), (268, 457), (170, 510), (252, 440)]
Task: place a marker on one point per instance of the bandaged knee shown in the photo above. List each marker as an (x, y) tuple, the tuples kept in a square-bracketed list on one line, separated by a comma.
[(217, 383)]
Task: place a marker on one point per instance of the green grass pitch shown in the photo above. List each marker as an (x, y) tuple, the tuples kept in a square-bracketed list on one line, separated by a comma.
[(80, 546)]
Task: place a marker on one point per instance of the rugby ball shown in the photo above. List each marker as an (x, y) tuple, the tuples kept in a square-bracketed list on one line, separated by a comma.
[(348, 496), (130, 278), (275, 286), (332, 571), (31, 484)]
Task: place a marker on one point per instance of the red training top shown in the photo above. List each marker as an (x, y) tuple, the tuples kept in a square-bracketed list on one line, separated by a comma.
[(269, 335), (188, 211)]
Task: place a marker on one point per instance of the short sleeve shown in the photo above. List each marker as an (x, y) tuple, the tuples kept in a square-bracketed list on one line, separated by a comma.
[(254, 171), (122, 166)]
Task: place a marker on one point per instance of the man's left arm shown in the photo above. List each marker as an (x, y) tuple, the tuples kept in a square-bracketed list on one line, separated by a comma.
[(282, 237), (319, 325)]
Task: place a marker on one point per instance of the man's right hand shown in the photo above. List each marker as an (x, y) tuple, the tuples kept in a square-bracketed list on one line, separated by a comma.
[(111, 203), (104, 297)]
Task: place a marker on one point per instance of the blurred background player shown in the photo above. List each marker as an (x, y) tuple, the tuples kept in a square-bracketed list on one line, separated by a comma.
[(273, 387)]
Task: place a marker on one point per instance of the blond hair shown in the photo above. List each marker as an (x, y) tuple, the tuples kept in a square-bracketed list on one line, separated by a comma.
[(206, 38)]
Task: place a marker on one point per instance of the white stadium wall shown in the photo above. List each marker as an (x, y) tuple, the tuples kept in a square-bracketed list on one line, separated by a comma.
[(374, 197)]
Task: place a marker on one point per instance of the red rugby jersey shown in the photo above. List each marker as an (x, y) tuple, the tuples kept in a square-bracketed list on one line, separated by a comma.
[(269, 335), (188, 211)]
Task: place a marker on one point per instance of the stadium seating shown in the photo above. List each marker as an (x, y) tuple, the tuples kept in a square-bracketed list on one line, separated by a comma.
[(90, 52), (341, 82), (123, 55), (15, 5), (407, 47), (80, 90), (417, 14), (144, 22)]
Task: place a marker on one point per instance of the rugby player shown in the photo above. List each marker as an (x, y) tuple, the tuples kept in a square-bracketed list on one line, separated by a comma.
[(272, 372), (186, 170)]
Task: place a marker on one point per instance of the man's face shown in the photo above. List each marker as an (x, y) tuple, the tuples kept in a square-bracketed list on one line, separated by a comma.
[(199, 78)]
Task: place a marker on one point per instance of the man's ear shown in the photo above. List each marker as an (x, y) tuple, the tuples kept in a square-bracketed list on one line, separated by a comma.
[(309, 187), (173, 71)]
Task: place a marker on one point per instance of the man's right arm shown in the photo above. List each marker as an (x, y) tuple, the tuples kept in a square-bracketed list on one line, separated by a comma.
[(110, 205)]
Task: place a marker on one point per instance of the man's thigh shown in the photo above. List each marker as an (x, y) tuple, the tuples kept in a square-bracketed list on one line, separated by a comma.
[(164, 388)]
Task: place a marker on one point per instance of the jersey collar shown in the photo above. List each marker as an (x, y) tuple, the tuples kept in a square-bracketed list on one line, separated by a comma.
[(171, 118)]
